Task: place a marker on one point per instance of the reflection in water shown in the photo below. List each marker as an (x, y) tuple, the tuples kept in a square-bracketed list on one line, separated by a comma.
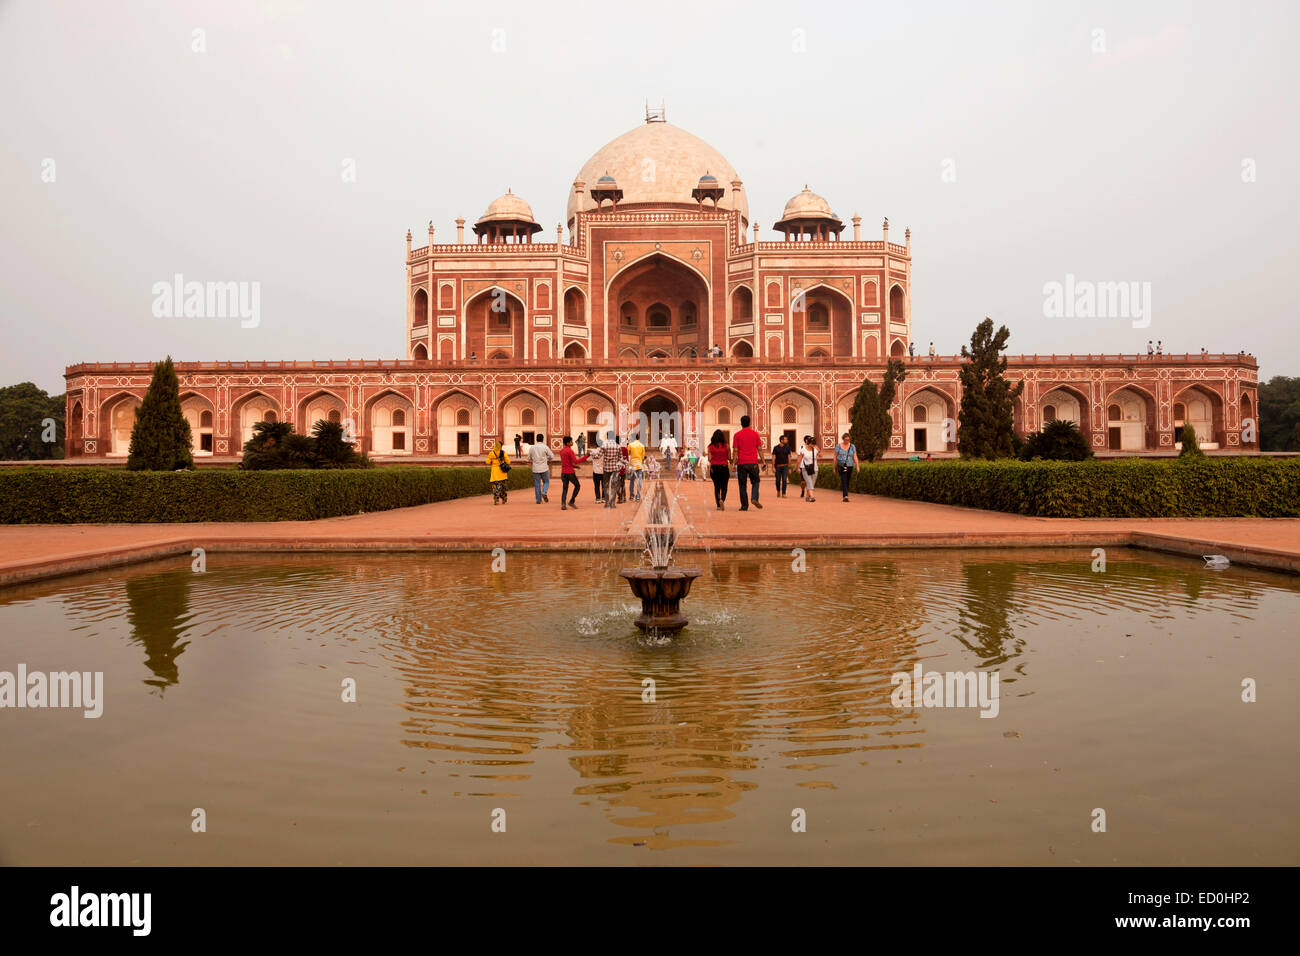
[(507, 687), (158, 611)]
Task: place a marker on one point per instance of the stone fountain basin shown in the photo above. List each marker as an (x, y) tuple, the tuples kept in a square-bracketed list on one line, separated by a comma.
[(661, 591)]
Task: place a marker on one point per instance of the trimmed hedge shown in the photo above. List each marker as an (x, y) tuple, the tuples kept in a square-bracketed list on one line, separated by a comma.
[(1128, 488), (109, 495)]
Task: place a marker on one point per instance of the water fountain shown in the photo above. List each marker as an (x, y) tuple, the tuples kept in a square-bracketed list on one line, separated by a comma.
[(658, 584)]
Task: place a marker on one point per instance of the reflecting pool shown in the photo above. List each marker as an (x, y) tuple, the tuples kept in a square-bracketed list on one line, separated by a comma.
[(531, 691)]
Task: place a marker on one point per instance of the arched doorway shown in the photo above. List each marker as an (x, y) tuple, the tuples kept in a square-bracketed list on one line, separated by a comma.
[(657, 416)]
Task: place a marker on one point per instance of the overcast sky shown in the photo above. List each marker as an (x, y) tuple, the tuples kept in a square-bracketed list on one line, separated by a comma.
[(127, 156)]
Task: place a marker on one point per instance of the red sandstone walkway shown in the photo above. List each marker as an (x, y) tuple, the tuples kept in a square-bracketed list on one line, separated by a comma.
[(29, 552)]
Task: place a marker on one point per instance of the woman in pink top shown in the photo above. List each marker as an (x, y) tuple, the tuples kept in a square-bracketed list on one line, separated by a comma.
[(719, 467)]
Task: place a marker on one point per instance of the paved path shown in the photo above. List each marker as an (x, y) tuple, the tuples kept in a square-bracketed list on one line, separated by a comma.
[(29, 552)]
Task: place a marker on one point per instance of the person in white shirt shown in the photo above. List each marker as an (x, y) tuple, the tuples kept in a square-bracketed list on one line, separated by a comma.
[(808, 467), (669, 448), (541, 456)]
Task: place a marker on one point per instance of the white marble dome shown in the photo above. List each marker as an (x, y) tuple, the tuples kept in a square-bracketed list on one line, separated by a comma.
[(507, 208), (658, 163), (807, 205)]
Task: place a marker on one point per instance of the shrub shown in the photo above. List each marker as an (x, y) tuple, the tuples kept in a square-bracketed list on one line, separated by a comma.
[(275, 445), (46, 495), (1132, 488), (1058, 441)]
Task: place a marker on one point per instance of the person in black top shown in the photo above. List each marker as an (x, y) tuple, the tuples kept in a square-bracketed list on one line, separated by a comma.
[(781, 462)]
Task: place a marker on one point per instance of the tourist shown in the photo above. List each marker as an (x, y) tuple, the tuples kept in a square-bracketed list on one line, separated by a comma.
[(781, 465), (598, 470), (500, 463), (582, 444), (719, 468), (541, 457), (623, 459), (911, 350), (846, 462), (651, 468), (808, 467), (636, 467), (569, 463), (669, 449), (1160, 347), (1204, 354), (519, 452), (1151, 349), (749, 457), (931, 351), (609, 452)]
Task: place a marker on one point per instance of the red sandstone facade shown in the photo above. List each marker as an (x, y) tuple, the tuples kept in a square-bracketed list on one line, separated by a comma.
[(504, 336)]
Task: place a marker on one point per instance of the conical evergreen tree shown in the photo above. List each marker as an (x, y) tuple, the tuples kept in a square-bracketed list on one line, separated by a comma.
[(160, 440), (986, 419), (1191, 447), (870, 421)]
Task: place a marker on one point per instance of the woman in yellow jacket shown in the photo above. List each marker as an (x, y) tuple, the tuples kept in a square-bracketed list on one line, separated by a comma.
[(500, 463)]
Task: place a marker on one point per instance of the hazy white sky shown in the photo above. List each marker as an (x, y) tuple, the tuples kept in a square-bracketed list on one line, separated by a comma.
[(227, 164)]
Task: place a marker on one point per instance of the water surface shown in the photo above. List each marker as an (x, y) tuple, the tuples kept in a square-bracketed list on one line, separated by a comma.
[(523, 691)]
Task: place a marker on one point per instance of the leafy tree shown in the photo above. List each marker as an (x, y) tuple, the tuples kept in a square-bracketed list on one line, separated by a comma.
[(160, 439), (1060, 440), (1191, 448), (1279, 414), (871, 424), (985, 422), (24, 412)]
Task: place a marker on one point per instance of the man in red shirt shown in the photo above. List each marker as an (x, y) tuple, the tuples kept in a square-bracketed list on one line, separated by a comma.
[(748, 447), (569, 463)]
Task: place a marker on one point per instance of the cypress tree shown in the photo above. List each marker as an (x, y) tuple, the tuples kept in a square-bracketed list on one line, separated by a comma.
[(1191, 447), (986, 419), (871, 424), (160, 439)]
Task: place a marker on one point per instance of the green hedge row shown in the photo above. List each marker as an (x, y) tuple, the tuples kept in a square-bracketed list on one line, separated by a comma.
[(110, 495), (1126, 488)]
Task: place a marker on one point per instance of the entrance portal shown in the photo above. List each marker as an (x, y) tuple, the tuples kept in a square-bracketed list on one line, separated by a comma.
[(662, 418)]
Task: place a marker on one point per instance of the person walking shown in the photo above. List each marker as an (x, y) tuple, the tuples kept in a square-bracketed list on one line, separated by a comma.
[(569, 463), (610, 458), (636, 467), (541, 456), (622, 471), (846, 462), (931, 351), (781, 465), (911, 350), (719, 468), (598, 470), (500, 463), (669, 449), (808, 467), (749, 457)]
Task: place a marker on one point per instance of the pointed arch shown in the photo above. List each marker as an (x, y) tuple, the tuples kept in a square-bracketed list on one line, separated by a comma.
[(792, 410), (116, 422), (458, 418)]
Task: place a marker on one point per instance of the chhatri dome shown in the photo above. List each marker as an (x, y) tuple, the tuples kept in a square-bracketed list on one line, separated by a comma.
[(507, 215), (679, 160), (806, 212)]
